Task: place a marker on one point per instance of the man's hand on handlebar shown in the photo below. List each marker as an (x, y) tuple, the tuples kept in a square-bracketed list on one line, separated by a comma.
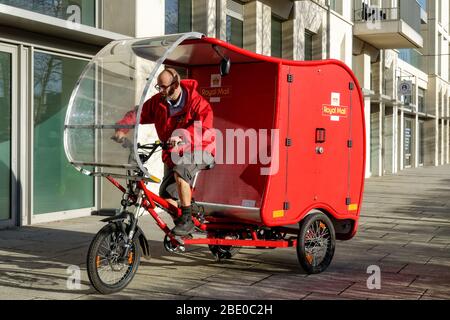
[(119, 136), (174, 142)]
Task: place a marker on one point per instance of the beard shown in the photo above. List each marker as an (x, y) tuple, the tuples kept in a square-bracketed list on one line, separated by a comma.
[(169, 96)]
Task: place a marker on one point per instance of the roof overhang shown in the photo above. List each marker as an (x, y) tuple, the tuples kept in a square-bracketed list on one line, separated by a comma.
[(51, 26)]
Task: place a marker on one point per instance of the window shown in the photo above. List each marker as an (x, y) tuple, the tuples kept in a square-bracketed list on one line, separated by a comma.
[(421, 145), (277, 38), (385, 81), (333, 5), (413, 57), (235, 31), (178, 16), (421, 101), (336, 5), (308, 45), (407, 100), (5, 135), (423, 4), (439, 8), (439, 57), (81, 11), (235, 23), (57, 185)]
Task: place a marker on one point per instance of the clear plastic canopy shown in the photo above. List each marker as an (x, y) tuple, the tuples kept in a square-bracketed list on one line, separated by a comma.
[(120, 78)]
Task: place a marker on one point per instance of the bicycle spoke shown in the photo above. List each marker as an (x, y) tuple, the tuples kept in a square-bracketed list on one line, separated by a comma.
[(317, 240)]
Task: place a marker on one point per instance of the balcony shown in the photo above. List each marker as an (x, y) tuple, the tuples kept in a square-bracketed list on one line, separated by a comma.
[(390, 28)]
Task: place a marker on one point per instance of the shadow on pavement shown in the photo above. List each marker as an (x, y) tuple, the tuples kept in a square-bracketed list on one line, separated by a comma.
[(38, 258)]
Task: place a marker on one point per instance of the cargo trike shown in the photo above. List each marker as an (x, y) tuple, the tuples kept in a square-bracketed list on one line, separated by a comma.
[(299, 184)]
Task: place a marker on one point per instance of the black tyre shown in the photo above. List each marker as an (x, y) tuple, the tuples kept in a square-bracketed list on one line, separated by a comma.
[(316, 243), (108, 270)]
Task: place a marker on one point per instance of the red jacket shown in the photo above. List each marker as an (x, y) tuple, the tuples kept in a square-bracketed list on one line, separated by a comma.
[(156, 110)]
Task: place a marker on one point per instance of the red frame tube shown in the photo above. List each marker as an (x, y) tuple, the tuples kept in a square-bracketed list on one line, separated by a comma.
[(213, 224), (244, 243)]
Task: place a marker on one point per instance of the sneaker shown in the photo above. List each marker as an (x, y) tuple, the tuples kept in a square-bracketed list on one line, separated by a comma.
[(184, 224)]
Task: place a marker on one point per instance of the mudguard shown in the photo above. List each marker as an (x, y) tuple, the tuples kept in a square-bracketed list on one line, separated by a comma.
[(143, 243), (116, 218), (139, 233)]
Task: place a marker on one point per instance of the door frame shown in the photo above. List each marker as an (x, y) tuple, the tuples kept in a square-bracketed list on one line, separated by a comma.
[(32, 217), (14, 185)]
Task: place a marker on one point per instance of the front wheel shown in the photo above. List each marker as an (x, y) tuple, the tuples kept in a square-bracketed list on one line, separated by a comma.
[(109, 267), (316, 243)]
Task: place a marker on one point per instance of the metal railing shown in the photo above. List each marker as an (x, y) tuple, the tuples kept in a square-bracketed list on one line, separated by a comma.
[(407, 10)]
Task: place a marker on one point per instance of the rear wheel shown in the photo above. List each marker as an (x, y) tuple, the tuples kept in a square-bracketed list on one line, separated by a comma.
[(109, 268), (316, 243)]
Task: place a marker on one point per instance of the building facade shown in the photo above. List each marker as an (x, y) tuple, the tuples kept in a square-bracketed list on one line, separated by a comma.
[(44, 46), (399, 50)]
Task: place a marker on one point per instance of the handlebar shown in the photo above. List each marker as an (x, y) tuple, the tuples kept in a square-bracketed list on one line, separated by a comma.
[(155, 145), (126, 143), (151, 148)]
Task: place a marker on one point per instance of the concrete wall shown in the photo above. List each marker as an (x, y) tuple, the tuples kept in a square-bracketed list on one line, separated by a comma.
[(257, 27), (341, 38), (204, 17), (131, 17), (119, 16), (309, 16)]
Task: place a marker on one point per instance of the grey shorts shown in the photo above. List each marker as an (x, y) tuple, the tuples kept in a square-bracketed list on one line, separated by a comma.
[(187, 168)]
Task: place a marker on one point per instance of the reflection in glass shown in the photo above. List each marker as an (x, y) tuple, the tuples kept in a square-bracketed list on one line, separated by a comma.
[(178, 16), (57, 185), (235, 31), (5, 136), (82, 11), (277, 37), (309, 37)]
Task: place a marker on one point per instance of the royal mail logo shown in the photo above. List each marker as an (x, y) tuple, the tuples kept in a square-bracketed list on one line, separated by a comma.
[(334, 111), (216, 92)]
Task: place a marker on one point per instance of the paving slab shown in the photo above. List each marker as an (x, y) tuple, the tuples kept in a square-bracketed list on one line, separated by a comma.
[(404, 230)]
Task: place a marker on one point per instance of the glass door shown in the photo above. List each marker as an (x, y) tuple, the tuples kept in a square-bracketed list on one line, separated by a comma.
[(57, 186), (7, 167)]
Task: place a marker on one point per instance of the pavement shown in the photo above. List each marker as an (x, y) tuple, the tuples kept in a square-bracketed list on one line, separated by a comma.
[(404, 231)]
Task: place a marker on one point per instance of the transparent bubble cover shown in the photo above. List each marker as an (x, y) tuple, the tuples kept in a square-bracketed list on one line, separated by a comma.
[(119, 79)]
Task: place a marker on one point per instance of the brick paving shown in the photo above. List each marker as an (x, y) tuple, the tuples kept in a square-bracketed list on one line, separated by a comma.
[(404, 229)]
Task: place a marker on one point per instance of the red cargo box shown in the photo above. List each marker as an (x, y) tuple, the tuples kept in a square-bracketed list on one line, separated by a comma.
[(312, 114), (317, 108)]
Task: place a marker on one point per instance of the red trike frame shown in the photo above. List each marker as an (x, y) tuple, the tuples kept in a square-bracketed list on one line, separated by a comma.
[(212, 224)]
